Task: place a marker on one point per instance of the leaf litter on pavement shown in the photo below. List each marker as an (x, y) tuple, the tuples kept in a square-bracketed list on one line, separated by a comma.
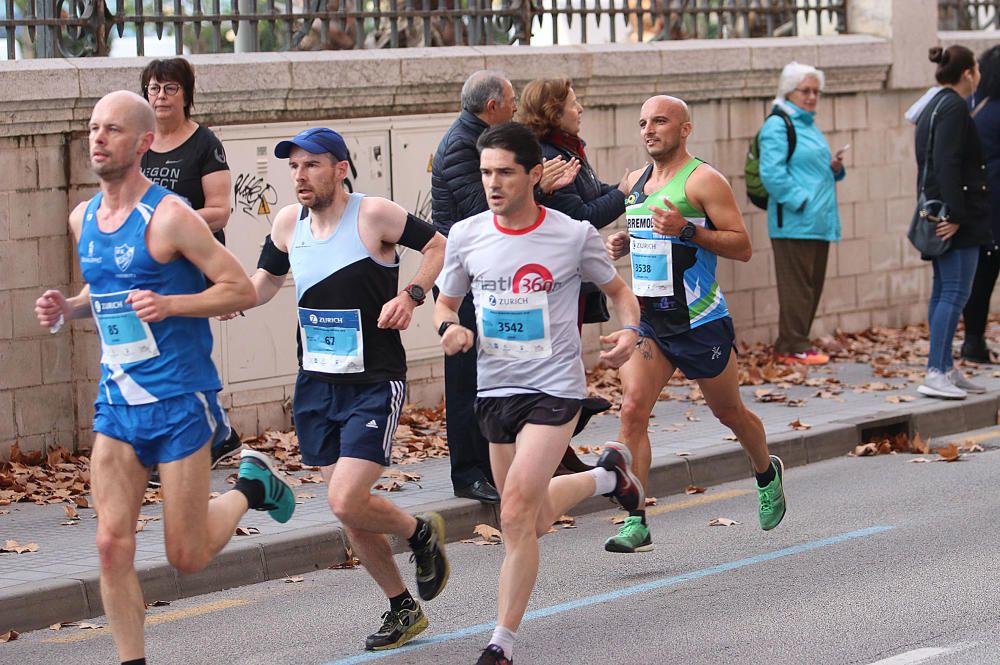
[(898, 354)]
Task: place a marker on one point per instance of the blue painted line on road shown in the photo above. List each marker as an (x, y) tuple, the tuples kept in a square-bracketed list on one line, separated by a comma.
[(619, 594)]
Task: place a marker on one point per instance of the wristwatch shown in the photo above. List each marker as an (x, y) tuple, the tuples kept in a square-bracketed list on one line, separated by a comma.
[(416, 292), (444, 326), (687, 231)]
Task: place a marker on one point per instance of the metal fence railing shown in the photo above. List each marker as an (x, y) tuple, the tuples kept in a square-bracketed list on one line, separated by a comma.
[(968, 14), (69, 28)]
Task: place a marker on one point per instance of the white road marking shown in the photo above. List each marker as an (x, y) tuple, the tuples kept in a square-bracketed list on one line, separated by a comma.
[(913, 657)]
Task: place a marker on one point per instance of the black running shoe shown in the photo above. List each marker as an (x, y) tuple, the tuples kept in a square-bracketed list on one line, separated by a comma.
[(227, 448), (628, 491), (398, 628), (493, 655), (432, 563)]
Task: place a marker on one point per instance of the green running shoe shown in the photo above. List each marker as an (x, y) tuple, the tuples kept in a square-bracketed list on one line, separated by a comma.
[(632, 537), (279, 498), (398, 628), (772, 497)]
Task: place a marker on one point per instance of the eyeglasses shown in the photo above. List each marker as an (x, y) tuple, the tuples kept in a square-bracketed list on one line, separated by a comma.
[(153, 90), (809, 91)]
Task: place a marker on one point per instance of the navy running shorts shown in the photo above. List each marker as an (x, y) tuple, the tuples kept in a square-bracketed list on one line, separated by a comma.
[(701, 353), (356, 420), (167, 430), (501, 418)]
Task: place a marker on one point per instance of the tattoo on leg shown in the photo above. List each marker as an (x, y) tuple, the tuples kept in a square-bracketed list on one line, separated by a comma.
[(646, 349)]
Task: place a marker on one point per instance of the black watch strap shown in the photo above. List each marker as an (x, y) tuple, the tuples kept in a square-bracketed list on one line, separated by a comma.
[(444, 326)]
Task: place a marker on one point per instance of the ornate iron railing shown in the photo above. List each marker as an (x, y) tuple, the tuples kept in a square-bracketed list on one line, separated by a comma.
[(70, 28), (968, 14)]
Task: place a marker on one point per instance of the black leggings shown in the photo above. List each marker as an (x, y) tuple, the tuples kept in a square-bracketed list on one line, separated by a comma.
[(977, 308)]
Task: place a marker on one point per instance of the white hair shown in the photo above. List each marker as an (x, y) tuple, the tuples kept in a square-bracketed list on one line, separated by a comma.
[(793, 74)]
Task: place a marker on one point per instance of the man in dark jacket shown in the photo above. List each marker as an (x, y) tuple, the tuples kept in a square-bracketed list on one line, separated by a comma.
[(457, 192)]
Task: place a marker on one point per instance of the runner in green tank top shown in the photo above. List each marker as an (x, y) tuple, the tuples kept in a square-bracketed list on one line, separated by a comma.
[(681, 215)]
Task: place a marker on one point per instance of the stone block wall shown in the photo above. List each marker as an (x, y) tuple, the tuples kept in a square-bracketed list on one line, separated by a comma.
[(48, 382)]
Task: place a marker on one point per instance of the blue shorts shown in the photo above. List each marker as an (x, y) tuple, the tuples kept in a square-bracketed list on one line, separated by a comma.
[(356, 420), (167, 430), (701, 353)]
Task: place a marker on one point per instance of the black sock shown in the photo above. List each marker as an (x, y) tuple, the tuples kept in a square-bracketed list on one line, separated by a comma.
[(134, 661), (638, 513), (396, 602), (764, 479), (252, 489), (420, 535)]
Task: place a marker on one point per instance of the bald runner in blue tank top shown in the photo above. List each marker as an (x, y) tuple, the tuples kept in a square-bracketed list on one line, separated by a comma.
[(165, 366)]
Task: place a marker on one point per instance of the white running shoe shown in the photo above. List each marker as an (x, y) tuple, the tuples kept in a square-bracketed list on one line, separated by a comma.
[(958, 379), (937, 384)]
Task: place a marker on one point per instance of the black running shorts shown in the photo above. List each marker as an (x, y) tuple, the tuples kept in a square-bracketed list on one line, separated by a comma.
[(501, 418)]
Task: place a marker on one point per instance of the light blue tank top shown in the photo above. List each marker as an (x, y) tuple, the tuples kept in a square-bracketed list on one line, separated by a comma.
[(142, 362)]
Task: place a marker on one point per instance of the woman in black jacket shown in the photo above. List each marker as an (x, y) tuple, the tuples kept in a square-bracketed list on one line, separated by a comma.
[(986, 113), (947, 144)]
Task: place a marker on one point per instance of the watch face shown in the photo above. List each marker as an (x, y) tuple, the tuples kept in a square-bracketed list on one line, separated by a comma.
[(416, 291), (687, 232)]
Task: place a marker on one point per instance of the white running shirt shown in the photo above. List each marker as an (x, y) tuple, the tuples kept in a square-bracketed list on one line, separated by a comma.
[(526, 288)]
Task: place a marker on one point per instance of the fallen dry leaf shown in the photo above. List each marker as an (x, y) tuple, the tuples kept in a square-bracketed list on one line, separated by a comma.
[(768, 395), (683, 453), (799, 425), (689, 414), (71, 513), (918, 445), (90, 626), (864, 450), (247, 531), (293, 580), (566, 521), (15, 547), (694, 489), (920, 460), (948, 454), (971, 447), (722, 521), (650, 500), (9, 636), (797, 402), (350, 561), (159, 603), (730, 437)]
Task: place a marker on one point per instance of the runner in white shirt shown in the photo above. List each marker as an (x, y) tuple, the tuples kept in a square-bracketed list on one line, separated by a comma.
[(524, 264)]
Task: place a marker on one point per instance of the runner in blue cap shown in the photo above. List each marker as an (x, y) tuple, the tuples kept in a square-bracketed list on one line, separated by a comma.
[(352, 367)]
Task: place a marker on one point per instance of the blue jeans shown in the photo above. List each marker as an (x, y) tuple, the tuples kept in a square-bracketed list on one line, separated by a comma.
[(953, 273)]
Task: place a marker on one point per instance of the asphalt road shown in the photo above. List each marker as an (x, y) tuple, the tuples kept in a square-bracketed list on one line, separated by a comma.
[(879, 560)]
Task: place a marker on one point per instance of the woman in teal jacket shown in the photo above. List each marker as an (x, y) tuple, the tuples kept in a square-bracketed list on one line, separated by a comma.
[(802, 215)]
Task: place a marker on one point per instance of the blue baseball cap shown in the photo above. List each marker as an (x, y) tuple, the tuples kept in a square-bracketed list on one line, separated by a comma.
[(317, 141)]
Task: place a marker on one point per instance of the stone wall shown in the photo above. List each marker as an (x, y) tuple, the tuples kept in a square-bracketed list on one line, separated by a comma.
[(47, 382)]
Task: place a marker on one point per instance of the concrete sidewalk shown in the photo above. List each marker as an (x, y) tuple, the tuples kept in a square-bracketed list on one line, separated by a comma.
[(59, 582)]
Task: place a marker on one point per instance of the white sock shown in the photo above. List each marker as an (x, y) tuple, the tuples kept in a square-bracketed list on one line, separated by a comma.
[(504, 638), (605, 481)]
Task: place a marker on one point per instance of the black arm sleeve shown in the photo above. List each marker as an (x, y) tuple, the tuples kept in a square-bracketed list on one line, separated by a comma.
[(417, 233), (273, 259)]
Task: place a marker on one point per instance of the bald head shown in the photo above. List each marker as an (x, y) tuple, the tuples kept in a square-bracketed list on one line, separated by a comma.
[(122, 128), (664, 124), (674, 108), (131, 111)]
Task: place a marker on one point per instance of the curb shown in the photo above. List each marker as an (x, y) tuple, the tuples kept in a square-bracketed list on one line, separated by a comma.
[(36, 605)]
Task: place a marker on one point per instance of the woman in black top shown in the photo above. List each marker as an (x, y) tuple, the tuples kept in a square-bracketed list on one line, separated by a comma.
[(986, 114), (186, 157), (955, 175)]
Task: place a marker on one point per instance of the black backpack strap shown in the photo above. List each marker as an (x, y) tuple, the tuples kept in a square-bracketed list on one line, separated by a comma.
[(789, 130)]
